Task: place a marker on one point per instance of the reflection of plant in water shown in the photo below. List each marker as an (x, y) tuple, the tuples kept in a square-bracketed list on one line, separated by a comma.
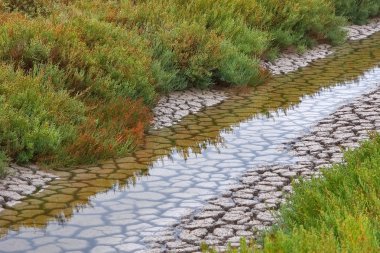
[(266, 113), (198, 147), (61, 219)]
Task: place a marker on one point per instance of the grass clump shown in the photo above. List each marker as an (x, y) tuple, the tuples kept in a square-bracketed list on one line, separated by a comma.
[(3, 164), (338, 212), (29, 7)]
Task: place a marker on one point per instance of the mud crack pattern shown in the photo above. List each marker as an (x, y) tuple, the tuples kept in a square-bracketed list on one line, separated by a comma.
[(250, 206)]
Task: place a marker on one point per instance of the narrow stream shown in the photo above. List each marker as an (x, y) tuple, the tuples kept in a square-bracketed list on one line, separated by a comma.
[(119, 202)]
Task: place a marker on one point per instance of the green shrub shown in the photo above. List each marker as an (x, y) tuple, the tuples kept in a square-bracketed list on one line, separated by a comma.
[(3, 164), (357, 11), (35, 120), (39, 123), (165, 70), (352, 234), (236, 67), (89, 56), (195, 51), (302, 22), (30, 7)]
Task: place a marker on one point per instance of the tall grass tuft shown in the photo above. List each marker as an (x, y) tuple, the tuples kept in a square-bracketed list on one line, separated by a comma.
[(357, 11), (3, 164)]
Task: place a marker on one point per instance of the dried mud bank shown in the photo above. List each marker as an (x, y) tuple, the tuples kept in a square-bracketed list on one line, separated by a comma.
[(21, 182), (358, 32), (177, 105), (170, 109), (291, 62), (250, 206)]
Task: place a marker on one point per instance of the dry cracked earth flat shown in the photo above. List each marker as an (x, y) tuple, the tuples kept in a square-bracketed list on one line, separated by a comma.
[(20, 182)]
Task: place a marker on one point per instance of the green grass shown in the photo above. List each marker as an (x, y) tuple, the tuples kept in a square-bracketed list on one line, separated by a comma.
[(3, 164), (339, 212), (357, 11), (84, 58)]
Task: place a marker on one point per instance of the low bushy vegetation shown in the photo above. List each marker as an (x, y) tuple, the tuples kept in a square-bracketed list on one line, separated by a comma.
[(35, 120), (3, 164), (40, 123), (78, 76), (338, 212), (357, 11)]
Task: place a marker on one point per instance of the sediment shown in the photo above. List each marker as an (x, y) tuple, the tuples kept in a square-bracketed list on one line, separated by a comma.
[(21, 182)]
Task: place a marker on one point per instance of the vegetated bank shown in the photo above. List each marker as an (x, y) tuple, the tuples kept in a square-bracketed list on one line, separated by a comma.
[(338, 212), (78, 77)]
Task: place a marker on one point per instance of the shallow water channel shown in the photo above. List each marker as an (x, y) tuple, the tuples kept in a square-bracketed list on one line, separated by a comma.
[(113, 206)]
